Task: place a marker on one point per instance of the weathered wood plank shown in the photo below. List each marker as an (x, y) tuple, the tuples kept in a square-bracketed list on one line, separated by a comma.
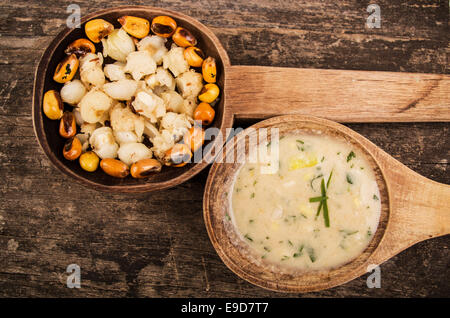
[(156, 244)]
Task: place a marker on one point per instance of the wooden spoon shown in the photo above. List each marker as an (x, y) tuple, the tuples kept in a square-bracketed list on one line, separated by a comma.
[(414, 209)]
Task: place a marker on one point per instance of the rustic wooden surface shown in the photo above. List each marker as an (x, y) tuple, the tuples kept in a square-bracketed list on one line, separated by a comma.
[(156, 244)]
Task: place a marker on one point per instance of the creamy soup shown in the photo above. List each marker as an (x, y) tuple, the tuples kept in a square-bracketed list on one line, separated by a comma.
[(319, 210)]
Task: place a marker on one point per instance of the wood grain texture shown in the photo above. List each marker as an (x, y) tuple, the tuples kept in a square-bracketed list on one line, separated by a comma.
[(339, 95), (156, 244)]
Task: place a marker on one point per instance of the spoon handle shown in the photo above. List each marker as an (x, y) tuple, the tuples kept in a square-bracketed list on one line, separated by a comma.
[(259, 92), (419, 208)]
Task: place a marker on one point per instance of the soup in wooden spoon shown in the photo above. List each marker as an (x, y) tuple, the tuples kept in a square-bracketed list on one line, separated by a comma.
[(318, 210)]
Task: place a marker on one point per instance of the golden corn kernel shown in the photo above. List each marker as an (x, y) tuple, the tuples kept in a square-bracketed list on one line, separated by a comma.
[(163, 26), (97, 29), (67, 125), (66, 69), (114, 168), (89, 161), (194, 56), (178, 156), (52, 105), (72, 149), (182, 37), (209, 70), (80, 47), (209, 93), (134, 26), (194, 138), (144, 168), (204, 113)]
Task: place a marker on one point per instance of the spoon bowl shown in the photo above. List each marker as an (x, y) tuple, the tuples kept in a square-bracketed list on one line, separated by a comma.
[(408, 212)]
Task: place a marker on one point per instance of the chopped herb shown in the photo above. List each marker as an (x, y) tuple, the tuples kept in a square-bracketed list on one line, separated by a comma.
[(268, 144), (350, 156), (267, 248), (248, 237), (251, 169), (264, 256), (267, 237), (303, 215), (252, 195), (316, 199), (323, 158), (369, 233), (285, 257), (318, 209), (339, 153), (329, 179), (300, 141), (255, 182), (349, 179), (238, 189), (227, 216), (313, 179), (325, 205), (362, 168), (300, 252), (352, 165), (312, 255), (290, 243), (375, 197), (347, 232), (251, 221)]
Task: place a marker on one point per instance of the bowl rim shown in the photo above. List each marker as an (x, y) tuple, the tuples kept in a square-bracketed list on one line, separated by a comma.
[(341, 277), (38, 92)]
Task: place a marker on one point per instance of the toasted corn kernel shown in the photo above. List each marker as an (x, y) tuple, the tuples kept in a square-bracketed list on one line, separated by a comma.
[(163, 26), (137, 27), (97, 29), (52, 105), (204, 113), (182, 37), (80, 47), (89, 161), (194, 138), (114, 168), (67, 125), (209, 93), (178, 156), (194, 56), (144, 168), (209, 70), (66, 69), (72, 149)]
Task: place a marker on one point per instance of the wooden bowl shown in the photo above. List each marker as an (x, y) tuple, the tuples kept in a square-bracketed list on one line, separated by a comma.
[(413, 209), (47, 130)]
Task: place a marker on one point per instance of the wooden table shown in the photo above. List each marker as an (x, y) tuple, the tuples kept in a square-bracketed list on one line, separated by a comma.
[(156, 244)]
